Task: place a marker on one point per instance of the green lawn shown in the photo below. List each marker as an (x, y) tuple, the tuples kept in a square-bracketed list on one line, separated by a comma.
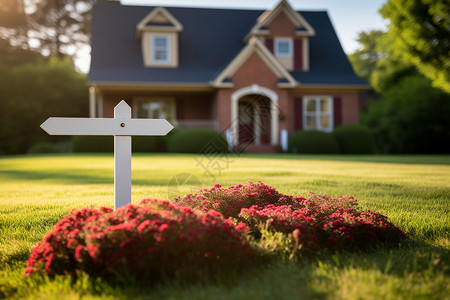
[(414, 191)]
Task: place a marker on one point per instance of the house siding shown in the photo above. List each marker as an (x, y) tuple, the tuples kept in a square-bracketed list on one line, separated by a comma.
[(281, 26), (254, 71)]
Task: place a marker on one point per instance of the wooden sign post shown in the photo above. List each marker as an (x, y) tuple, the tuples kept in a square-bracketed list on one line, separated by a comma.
[(122, 127)]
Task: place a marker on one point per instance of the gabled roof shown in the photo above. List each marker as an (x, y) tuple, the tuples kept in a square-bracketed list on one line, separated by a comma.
[(255, 46), (264, 20), (158, 19), (208, 43)]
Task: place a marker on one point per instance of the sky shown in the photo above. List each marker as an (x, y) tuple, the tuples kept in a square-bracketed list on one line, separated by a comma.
[(349, 17)]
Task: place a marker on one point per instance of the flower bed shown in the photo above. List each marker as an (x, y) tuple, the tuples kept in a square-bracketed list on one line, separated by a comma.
[(153, 240), (315, 223), (205, 231)]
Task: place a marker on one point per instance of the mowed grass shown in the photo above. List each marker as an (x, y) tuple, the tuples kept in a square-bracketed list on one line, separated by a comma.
[(414, 191)]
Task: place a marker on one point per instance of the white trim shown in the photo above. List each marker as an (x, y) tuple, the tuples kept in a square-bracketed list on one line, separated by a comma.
[(143, 24), (268, 16), (277, 47), (255, 45), (317, 112), (252, 90)]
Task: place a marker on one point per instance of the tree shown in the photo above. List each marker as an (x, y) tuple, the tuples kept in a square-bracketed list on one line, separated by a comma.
[(420, 30), (13, 23), (364, 60), (411, 117), (60, 26), (32, 92)]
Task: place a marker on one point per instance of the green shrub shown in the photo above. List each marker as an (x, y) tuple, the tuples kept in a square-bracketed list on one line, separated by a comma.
[(43, 148), (354, 139), (197, 141), (410, 118), (93, 144), (313, 142), (148, 144)]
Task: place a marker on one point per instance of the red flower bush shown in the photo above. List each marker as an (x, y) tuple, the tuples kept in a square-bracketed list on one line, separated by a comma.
[(156, 238), (163, 239), (327, 223), (315, 223), (230, 201)]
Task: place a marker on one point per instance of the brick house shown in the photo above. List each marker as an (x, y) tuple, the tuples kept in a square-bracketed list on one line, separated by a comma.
[(257, 76)]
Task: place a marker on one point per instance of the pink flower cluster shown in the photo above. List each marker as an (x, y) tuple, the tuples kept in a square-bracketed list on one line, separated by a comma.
[(315, 223), (156, 238), (229, 201)]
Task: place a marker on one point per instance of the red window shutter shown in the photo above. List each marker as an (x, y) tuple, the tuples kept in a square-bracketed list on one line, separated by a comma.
[(298, 55), (269, 44), (337, 112), (298, 112)]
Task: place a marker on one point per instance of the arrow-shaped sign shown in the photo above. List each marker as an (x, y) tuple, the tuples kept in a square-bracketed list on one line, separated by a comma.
[(122, 127), (103, 126)]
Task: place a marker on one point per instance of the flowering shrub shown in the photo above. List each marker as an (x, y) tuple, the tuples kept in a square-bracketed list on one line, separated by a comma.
[(230, 201), (163, 239), (156, 238), (314, 223), (315, 226)]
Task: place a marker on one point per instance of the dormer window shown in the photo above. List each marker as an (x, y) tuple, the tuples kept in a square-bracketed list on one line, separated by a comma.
[(160, 48), (286, 34), (159, 32), (283, 47)]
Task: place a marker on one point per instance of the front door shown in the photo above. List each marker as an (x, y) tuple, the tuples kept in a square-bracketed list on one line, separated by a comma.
[(246, 122)]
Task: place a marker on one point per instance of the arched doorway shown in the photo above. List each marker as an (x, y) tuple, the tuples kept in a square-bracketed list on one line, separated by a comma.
[(255, 116), (254, 112)]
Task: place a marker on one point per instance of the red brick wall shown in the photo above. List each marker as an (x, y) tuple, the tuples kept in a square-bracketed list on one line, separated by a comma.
[(254, 71), (223, 100), (281, 26)]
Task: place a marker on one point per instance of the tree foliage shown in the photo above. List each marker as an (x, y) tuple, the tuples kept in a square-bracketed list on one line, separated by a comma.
[(377, 62), (411, 117), (52, 27), (32, 91), (420, 31), (13, 22), (365, 59), (60, 25)]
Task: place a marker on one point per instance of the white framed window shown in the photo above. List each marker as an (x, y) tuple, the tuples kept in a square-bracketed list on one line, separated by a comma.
[(154, 108), (318, 113), (160, 48), (283, 47)]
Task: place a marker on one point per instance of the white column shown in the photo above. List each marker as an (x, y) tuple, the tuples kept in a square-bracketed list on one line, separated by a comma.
[(234, 121), (284, 140), (92, 112), (257, 124), (274, 121)]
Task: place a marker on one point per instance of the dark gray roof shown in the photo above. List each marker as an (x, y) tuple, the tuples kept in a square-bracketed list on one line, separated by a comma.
[(211, 38)]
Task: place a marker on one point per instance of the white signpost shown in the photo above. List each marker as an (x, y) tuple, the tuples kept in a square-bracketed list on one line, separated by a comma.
[(122, 127)]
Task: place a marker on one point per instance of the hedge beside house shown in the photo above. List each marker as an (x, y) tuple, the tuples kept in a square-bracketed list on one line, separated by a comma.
[(313, 142), (354, 139), (197, 141)]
